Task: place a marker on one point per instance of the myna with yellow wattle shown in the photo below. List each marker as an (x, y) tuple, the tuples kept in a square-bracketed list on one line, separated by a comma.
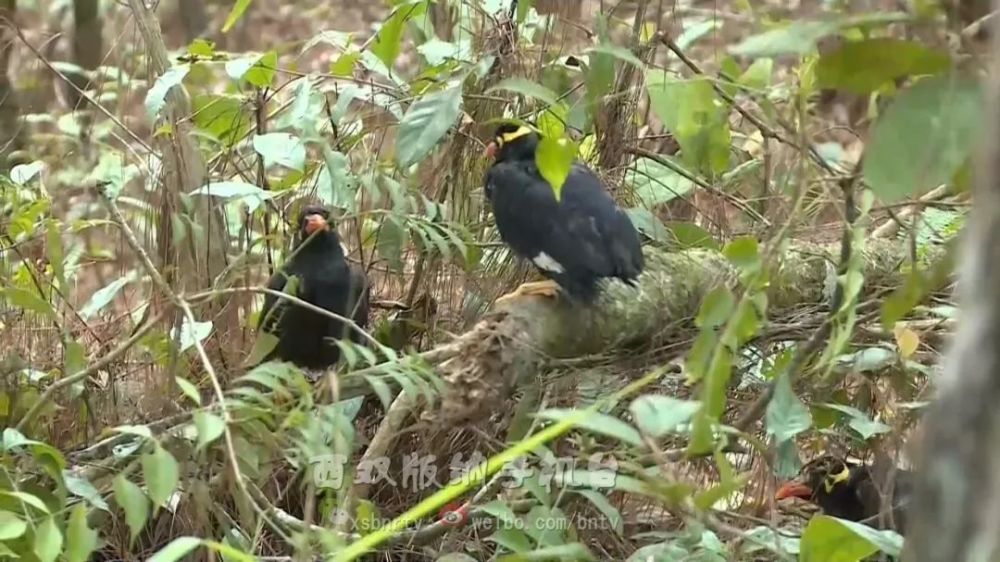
[(575, 241)]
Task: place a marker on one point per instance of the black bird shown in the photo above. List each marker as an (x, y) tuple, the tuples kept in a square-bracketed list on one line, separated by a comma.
[(575, 241), (851, 491), (326, 280)]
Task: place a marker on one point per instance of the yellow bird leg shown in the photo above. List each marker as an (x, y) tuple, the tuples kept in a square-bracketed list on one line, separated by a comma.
[(546, 288)]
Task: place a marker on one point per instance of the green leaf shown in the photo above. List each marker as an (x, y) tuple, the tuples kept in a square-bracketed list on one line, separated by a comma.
[(797, 38), (620, 53), (690, 109), (28, 300), (161, 472), (687, 235), (48, 540), (224, 116), (11, 526), (156, 98), (239, 8), (601, 503), (244, 192), (649, 224), (743, 252), (283, 149), (425, 123), (177, 549), (391, 239), (554, 158), (258, 70), (26, 498), (865, 66), (657, 415), (716, 308), (828, 539), (655, 184), (210, 427), (597, 423), (102, 297), (786, 415), (860, 422), (389, 37), (133, 502), (191, 333), (81, 540), (189, 389), (81, 487), (528, 89), (511, 539), (924, 137)]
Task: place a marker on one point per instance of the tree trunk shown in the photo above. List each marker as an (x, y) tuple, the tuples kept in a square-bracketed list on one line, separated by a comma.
[(956, 508)]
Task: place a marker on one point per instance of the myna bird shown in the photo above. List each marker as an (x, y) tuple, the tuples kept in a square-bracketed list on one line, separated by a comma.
[(326, 280), (575, 241), (850, 491)]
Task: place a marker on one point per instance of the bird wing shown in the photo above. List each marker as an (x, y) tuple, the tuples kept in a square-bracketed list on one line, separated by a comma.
[(567, 234)]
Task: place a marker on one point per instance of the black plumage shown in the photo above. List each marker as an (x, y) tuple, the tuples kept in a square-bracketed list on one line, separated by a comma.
[(852, 491), (326, 280), (575, 241)]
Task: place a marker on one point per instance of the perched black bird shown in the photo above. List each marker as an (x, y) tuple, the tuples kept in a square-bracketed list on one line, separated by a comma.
[(575, 241), (326, 280), (851, 491)]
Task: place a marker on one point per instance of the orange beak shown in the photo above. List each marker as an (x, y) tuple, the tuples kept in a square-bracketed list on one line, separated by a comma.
[(491, 150), (314, 223), (793, 489)]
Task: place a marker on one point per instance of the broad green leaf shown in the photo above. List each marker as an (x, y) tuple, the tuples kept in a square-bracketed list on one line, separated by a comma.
[(889, 542), (620, 53), (239, 8), (716, 308), (103, 296), (860, 422), (189, 389), (48, 540), (554, 158), (389, 37), (694, 30), (648, 223), (597, 423), (828, 539), (786, 415), (511, 539), (691, 110), (201, 48), (337, 185), (11, 526), (81, 540), (210, 427), (869, 359), (156, 98), (425, 123), (28, 300), (26, 498), (133, 502), (161, 471), (743, 252), (528, 89), (247, 193), (657, 415), (191, 333), (391, 239), (654, 183), (924, 137), (177, 549), (801, 36), (81, 487), (865, 66), (687, 235), (601, 503), (283, 149), (224, 116), (258, 70), (758, 76)]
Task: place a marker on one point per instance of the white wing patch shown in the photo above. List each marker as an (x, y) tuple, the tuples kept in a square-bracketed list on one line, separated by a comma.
[(545, 261)]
